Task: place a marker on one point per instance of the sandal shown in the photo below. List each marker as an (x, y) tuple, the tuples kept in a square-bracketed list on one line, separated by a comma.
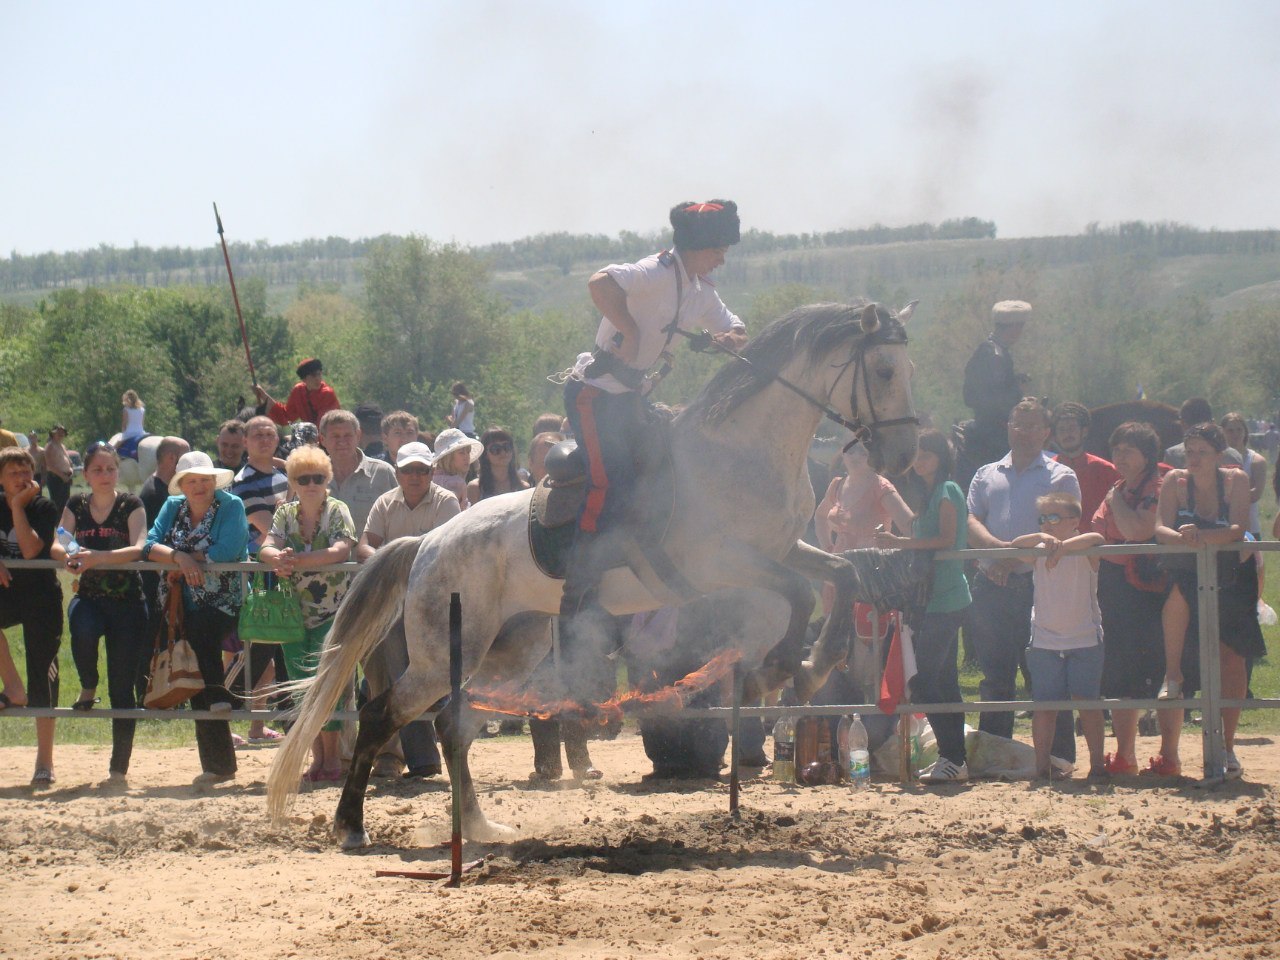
[(1160, 766), (6, 702), (589, 773), (44, 777), (86, 705), (1115, 765), (268, 736)]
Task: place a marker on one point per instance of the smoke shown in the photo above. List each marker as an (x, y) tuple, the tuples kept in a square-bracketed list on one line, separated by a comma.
[(487, 121)]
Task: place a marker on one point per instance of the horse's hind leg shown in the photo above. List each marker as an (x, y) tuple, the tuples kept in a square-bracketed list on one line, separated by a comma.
[(380, 720), (521, 646), (376, 729)]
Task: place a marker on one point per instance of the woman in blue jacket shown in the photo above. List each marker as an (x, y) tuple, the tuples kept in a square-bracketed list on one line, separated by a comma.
[(202, 523)]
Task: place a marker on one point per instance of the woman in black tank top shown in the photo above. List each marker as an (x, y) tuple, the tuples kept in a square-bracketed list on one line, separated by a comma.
[(1205, 504), (110, 527)]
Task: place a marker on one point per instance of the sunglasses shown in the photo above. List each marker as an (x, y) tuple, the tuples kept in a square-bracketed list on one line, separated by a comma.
[(307, 479), (500, 447), (97, 445), (1054, 518)]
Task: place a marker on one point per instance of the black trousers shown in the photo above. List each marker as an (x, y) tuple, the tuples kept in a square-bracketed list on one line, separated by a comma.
[(124, 625), (205, 630), (937, 679)]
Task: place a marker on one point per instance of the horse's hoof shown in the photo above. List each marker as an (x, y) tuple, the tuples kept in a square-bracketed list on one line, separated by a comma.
[(489, 831), (807, 682), (354, 839)]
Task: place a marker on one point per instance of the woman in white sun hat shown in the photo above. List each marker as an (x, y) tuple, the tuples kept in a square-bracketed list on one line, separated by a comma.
[(201, 522), (455, 453)]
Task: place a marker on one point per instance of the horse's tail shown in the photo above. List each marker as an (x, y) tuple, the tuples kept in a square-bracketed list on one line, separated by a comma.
[(368, 611)]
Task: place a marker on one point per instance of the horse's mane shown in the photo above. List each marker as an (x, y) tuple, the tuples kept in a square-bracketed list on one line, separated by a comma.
[(814, 331)]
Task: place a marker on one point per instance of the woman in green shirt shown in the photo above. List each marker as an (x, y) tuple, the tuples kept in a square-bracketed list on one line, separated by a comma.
[(942, 525)]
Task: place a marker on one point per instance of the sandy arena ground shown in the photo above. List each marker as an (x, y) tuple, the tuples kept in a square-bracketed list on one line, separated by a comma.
[(630, 869)]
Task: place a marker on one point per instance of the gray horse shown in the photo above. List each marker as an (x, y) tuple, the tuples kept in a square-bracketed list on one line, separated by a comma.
[(742, 499)]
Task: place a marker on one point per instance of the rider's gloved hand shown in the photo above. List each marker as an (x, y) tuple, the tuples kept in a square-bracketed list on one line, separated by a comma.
[(701, 342)]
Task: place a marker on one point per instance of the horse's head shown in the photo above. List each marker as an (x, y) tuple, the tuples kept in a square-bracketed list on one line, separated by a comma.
[(845, 361), (881, 396)]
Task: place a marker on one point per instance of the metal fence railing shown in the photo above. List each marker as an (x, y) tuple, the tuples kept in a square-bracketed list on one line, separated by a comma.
[(1210, 702)]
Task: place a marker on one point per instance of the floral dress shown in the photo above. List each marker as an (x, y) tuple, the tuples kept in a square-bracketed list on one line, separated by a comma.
[(320, 592), (220, 589)]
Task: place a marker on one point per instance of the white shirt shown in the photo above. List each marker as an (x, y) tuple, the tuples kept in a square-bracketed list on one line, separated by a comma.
[(391, 517), (650, 286), (464, 416), (133, 421), (1065, 614)]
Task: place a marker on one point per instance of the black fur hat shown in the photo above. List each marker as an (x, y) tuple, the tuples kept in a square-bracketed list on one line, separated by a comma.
[(701, 226)]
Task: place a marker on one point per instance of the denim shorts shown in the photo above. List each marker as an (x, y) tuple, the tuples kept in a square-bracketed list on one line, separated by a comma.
[(1064, 674)]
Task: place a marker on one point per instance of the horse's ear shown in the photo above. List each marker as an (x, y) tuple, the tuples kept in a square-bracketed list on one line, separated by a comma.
[(870, 318), (905, 313)]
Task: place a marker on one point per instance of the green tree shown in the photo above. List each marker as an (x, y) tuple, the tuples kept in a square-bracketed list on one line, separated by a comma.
[(98, 345), (432, 321)]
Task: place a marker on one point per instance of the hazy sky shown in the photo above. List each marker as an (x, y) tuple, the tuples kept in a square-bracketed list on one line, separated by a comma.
[(479, 121)]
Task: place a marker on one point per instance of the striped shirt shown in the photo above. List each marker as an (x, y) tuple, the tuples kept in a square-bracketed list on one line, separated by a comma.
[(261, 493)]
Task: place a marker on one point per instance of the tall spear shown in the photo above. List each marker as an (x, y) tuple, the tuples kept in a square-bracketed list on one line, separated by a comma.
[(244, 334)]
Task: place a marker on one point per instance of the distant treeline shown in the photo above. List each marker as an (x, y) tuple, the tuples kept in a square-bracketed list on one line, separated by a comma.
[(335, 260)]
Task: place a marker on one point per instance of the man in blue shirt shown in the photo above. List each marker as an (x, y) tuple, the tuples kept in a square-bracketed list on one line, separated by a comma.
[(1002, 506)]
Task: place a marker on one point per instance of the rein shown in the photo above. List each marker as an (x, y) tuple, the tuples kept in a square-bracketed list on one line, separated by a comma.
[(862, 431)]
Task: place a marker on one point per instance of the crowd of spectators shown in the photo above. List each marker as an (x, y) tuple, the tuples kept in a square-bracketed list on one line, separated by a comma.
[(312, 500), (1076, 627)]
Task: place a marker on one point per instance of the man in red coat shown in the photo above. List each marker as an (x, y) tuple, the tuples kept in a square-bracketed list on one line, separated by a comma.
[(309, 400), (1096, 476)]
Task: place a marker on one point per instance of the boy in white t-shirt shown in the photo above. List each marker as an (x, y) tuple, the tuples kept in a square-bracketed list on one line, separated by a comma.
[(1064, 657)]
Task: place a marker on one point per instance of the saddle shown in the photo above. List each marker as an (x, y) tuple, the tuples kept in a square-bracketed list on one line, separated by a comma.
[(558, 499), (128, 448)]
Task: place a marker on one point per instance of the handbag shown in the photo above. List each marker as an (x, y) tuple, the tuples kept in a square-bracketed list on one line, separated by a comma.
[(175, 673), (271, 615), (1144, 572)]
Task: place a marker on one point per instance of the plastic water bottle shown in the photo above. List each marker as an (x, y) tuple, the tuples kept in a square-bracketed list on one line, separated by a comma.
[(852, 736), (784, 750), (68, 541), (69, 544)]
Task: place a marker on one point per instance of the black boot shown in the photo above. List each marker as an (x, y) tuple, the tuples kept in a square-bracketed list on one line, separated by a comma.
[(587, 675)]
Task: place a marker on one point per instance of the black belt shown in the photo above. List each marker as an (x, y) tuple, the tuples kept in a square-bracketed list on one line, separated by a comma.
[(604, 363)]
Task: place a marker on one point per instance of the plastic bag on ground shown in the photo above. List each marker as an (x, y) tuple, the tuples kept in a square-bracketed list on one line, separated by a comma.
[(991, 756), (924, 749)]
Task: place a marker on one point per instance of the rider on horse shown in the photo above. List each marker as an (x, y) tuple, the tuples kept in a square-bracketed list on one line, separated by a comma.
[(643, 305)]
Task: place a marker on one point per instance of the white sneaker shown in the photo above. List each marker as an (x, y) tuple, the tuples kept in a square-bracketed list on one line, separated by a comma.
[(1232, 769), (944, 771)]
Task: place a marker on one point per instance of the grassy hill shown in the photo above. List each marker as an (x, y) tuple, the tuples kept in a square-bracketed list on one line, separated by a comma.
[(1174, 310)]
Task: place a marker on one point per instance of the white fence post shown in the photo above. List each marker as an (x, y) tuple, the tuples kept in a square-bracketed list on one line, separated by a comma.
[(1210, 662)]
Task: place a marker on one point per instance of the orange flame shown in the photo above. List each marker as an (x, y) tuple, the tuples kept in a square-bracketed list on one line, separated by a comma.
[(511, 699)]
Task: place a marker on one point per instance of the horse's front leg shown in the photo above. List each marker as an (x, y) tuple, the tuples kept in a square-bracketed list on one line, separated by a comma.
[(785, 660), (832, 645)]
